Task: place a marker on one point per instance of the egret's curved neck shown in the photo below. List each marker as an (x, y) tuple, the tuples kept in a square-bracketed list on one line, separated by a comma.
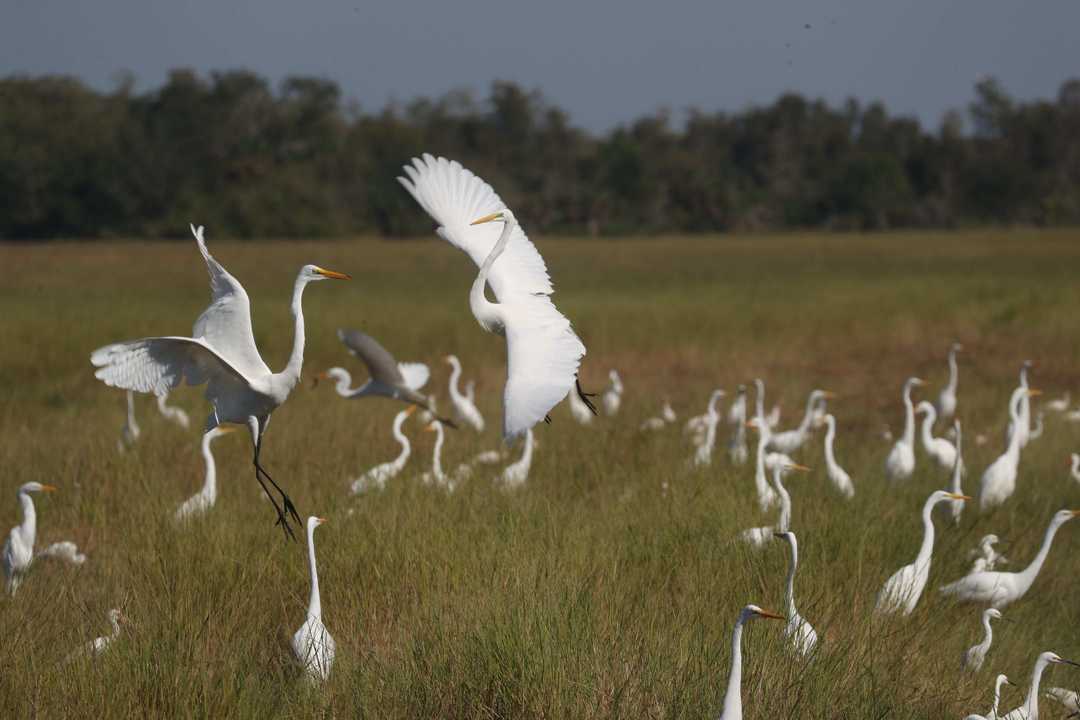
[(436, 459), (488, 313), (1031, 702), (344, 380), (210, 485), (785, 502), (808, 416), (315, 603), (711, 410), (954, 374), (1027, 575), (958, 466), (830, 436), (988, 632), (733, 698), (402, 439), (455, 376), (296, 357), (997, 696), (527, 453), (759, 401), (759, 467), (927, 427), (1016, 413), (28, 526), (909, 417), (927, 547), (789, 593)]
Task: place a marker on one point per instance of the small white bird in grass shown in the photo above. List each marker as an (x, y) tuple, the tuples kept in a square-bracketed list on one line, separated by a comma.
[(993, 714), (697, 426), (791, 440), (64, 550), (129, 433), (515, 474), (733, 697), (902, 591), (96, 647), (464, 403), (956, 483), (975, 655), (1059, 405), (766, 496), (666, 417), (171, 412), (900, 463), (737, 449), (799, 633), (1073, 415), (488, 457), (1074, 466), (312, 645), (1029, 710), (760, 536), (998, 481), (986, 557), (946, 403), (203, 500), (939, 449), (1069, 699), (18, 553), (704, 451), (448, 481), (377, 476), (998, 589), (612, 397), (837, 475)]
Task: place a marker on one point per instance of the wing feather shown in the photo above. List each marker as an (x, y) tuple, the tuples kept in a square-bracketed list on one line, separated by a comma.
[(415, 375), (381, 365)]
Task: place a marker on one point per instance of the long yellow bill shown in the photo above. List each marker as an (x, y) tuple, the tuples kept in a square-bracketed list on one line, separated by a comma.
[(333, 275), (770, 615), (487, 218)]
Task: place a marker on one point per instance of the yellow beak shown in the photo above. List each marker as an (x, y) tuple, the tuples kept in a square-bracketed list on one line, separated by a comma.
[(332, 274), (801, 468), (48, 488), (410, 410), (487, 218), (956, 496), (770, 615), (1033, 393)]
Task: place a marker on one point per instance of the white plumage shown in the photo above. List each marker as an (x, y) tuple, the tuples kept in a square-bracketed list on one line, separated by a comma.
[(312, 645)]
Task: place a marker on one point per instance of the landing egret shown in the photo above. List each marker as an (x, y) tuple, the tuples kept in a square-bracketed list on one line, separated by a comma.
[(1030, 708), (975, 655), (758, 537), (791, 440), (733, 697), (946, 403), (837, 475), (172, 413), (612, 397), (18, 552), (799, 633), (703, 454), (222, 353), (203, 500), (436, 474), (311, 644), (464, 406), (1059, 405), (737, 450), (986, 557), (998, 481), (993, 714), (956, 483), (939, 449), (1074, 466), (900, 463), (999, 589), (543, 353), (515, 474), (766, 496), (377, 476), (902, 591), (97, 646), (129, 433)]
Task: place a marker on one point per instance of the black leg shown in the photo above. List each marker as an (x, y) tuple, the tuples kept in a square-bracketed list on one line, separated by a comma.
[(585, 397), (547, 419), (286, 503)]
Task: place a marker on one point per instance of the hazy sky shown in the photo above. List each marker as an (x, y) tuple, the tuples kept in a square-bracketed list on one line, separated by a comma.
[(604, 61)]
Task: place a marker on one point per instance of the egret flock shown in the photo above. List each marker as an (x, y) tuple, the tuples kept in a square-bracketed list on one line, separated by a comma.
[(543, 358)]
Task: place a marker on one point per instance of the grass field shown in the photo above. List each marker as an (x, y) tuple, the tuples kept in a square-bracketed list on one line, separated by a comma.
[(592, 592)]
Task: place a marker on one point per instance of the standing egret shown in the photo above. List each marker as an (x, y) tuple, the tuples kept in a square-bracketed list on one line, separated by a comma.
[(240, 387), (172, 413), (666, 417), (129, 433), (1023, 411), (436, 474), (957, 481), (377, 476), (1030, 709), (733, 699), (902, 591), (515, 474), (758, 537), (543, 353), (791, 440), (946, 403), (579, 409), (612, 397), (998, 589), (766, 496), (837, 475), (940, 449), (311, 644), (900, 463), (986, 557), (1074, 466), (203, 500), (975, 655), (998, 481), (697, 426), (703, 453), (764, 426), (799, 633), (1069, 699), (737, 450), (18, 552), (464, 406), (98, 646), (1059, 405), (993, 714)]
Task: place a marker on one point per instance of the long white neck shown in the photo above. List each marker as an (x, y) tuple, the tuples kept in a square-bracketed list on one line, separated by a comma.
[(526, 455), (954, 374), (927, 426), (402, 439), (789, 593), (1027, 576), (28, 526), (988, 632), (455, 375), (927, 547), (209, 489), (1031, 702), (436, 458), (291, 373), (344, 380), (997, 696), (909, 417), (785, 501), (830, 436), (487, 313), (958, 467), (760, 480), (315, 603), (733, 698), (1016, 413), (808, 416)]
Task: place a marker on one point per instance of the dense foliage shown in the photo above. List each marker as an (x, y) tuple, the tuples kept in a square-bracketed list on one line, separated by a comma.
[(248, 160)]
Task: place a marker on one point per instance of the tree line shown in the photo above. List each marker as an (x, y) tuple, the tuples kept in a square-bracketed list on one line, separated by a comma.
[(250, 160)]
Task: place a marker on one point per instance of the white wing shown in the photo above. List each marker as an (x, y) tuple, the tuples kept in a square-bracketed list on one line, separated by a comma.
[(226, 324), (416, 374), (454, 197)]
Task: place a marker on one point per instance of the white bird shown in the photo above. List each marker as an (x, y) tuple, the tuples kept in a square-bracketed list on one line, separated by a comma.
[(129, 433), (986, 557), (791, 440), (799, 633), (737, 449), (766, 496), (97, 646), (1036, 429), (203, 500), (515, 474), (941, 450), (579, 409), (902, 591), (377, 476), (1030, 709), (946, 403), (703, 453), (1074, 466), (488, 457), (998, 481), (900, 463), (64, 550), (311, 644), (436, 474), (764, 425), (464, 407), (612, 397), (240, 387), (172, 413), (1059, 405), (993, 714), (666, 417), (957, 481), (998, 589), (1073, 415), (837, 475), (1024, 411), (733, 698), (1069, 699), (543, 353), (697, 426), (760, 536), (18, 552), (975, 655)]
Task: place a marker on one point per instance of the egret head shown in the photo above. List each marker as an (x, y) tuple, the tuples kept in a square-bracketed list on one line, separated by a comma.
[(453, 360), (36, 487), (751, 612), (335, 373), (116, 617), (1062, 516), (311, 273), (1052, 657), (925, 407), (223, 429), (915, 382), (990, 539), (314, 522), (956, 347), (503, 215), (994, 613)]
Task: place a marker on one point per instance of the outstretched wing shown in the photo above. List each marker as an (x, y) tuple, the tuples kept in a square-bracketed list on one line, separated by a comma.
[(381, 365), (415, 375), (226, 324), (454, 197)]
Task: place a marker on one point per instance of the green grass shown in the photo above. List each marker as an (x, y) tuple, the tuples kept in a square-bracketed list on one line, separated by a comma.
[(592, 592)]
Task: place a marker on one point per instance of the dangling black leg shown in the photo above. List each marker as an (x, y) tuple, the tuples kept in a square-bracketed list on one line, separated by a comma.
[(585, 397), (286, 503), (547, 419)]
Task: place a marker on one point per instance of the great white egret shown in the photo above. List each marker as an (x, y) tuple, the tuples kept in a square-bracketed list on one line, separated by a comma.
[(129, 433), (902, 591), (737, 449), (758, 537), (941, 450), (1023, 411), (999, 589), (515, 474), (1029, 710), (580, 411), (312, 644), (222, 353), (697, 426), (791, 440), (900, 463), (612, 397), (1069, 699), (975, 655), (986, 557), (436, 474), (97, 646), (704, 451), (993, 714), (998, 481), (799, 633), (733, 698), (1074, 466), (946, 402), (464, 403), (543, 353), (203, 500), (19, 548), (766, 496), (957, 481), (172, 413), (837, 475), (377, 476)]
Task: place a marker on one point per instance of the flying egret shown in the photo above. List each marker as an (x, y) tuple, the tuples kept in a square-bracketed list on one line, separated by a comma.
[(791, 440), (515, 474), (998, 481), (203, 500), (172, 413), (993, 714), (986, 557), (902, 591), (975, 655), (737, 450), (129, 433), (464, 406), (612, 397), (1074, 466), (1029, 710), (18, 552), (999, 589), (543, 353), (240, 387), (1059, 405), (766, 496), (900, 463), (956, 483), (377, 476), (733, 699), (946, 403), (941, 450), (758, 537), (837, 475), (436, 474), (97, 646), (799, 633), (311, 644)]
